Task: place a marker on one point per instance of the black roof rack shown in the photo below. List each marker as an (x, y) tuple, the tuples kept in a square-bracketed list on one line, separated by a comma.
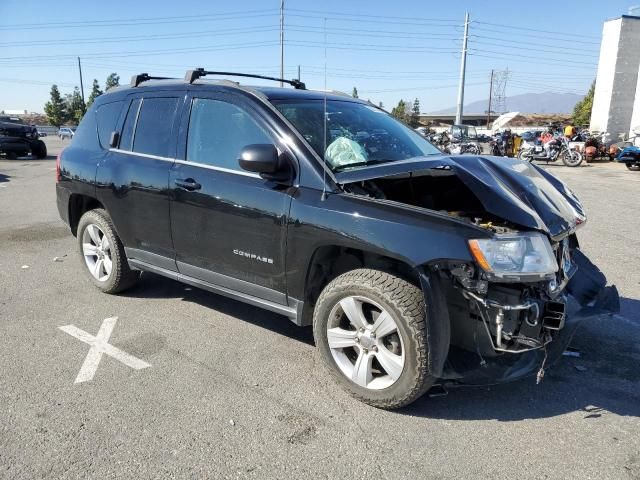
[(192, 75), (143, 77)]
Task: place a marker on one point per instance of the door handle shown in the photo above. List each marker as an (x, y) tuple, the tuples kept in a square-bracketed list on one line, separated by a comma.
[(188, 184)]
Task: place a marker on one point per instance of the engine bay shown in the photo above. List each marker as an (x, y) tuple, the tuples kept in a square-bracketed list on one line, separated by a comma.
[(436, 189)]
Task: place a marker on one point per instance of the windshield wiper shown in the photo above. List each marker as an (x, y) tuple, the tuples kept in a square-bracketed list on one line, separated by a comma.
[(360, 164)]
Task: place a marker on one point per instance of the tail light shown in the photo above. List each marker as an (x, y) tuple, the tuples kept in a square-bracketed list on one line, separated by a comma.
[(58, 173)]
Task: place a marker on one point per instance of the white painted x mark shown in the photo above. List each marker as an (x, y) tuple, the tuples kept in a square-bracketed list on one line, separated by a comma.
[(99, 345)]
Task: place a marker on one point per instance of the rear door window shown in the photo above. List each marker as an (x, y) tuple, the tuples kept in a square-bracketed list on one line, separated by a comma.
[(126, 141), (154, 126)]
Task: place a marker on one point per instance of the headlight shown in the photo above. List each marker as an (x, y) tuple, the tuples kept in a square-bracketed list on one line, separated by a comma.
[(515, 257)]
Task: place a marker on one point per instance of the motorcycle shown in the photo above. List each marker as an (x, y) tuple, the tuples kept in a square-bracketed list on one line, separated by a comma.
[(461, 147), (630, 156), (559, 149), (502, 145)]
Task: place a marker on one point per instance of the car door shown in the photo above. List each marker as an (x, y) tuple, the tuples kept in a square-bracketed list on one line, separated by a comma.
[(133, 178), (228, 225)]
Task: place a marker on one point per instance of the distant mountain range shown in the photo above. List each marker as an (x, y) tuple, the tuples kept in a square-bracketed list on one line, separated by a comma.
[(546, 102)]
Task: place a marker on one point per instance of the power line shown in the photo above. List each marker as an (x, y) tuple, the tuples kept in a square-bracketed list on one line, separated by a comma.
[(230, 31), (142, 21), (559, 33), (385, 17), (509, 41), (515, 47), (148, 52), (546, 37), (424, 87), (529, 58), (35, 82), (366, 20), (370, 47), (135, 38)]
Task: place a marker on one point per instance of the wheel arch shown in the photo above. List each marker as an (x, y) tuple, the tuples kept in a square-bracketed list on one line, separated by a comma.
[(329, 261), (79, 204)]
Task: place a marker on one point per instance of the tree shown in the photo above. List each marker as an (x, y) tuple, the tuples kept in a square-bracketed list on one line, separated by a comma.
[(55, 108), (113, 80), (354, 93), (75, 106), (95, 92), (400, 112), (582, 110), (414, 120)]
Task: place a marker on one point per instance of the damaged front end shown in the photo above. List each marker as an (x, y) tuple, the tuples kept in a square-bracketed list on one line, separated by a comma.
[(515, 303), (503, 331)]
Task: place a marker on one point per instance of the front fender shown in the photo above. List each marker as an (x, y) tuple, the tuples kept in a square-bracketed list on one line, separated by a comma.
[(411, 235), (438, 326)]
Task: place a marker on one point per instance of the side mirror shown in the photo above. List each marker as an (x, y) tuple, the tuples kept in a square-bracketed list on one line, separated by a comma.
[(263, 159), (114, 139)]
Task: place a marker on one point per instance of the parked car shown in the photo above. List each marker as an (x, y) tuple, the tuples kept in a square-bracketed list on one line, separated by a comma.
[(630, 156), (412, 267), (464, 139), (66, 132), (18, 140), (531, 136)]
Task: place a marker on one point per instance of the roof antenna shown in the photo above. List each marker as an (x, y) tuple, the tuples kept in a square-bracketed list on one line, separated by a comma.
[(324, 120)]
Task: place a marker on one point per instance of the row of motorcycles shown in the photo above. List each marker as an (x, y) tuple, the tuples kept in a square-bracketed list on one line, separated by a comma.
[(570, 150), (460, 140)]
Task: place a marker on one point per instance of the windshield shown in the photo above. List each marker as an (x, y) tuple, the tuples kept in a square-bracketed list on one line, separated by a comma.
[(464, 132), (357, 134)]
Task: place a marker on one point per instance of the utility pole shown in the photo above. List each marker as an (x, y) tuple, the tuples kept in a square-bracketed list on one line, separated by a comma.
[(463, 67), (299, 73), (84, 105), (281, 41), (490, 92)]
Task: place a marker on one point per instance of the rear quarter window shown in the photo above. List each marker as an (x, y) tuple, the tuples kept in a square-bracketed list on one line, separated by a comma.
[(86, 135), (107, 117)]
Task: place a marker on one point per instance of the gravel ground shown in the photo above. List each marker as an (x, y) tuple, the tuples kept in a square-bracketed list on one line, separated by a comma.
[(237, 392)]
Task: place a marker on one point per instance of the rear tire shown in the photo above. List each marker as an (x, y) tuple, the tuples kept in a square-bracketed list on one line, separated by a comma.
[(571, 158), (523, 155), (397, 355), (98, 244), (39, 149)]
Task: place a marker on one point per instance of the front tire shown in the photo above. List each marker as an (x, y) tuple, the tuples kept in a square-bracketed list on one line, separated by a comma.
[(102, 253), (370, 330)]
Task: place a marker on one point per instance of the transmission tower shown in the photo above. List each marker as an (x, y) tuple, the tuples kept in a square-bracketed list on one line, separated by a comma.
[(498, 91)]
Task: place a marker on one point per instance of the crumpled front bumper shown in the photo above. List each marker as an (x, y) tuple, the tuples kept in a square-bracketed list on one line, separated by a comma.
[(587, 296)]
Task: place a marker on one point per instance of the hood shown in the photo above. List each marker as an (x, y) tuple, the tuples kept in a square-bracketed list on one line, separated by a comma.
[(512, 189), (14, 129)]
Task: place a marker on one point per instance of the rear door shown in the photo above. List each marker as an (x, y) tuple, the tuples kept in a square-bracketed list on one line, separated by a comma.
[(229, 226), (133, 179)]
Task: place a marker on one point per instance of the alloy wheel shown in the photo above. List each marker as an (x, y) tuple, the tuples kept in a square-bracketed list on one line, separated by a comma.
[(96, 250), (365, 343)]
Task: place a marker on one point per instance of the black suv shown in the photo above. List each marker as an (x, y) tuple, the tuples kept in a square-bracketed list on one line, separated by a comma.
[(18, 139), (413, 267)]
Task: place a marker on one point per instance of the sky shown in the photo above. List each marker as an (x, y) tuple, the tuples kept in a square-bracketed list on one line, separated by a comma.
[(388, 50)]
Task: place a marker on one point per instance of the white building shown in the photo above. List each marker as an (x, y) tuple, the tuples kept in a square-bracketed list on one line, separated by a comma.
[(616, 102)]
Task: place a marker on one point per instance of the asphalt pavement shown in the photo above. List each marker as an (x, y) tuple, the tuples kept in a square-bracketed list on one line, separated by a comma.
[(232, 391)]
